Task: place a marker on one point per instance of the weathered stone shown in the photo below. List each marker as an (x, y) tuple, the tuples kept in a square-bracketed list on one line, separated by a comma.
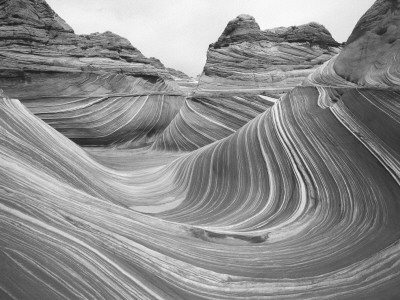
[(245, 57), (73, 82)]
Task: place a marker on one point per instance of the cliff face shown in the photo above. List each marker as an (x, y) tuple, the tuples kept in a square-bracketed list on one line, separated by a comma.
[(245, 57), (73, 82)]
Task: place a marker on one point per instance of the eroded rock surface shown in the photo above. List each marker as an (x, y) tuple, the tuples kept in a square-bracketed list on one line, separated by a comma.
[(245, 57), (301, 202), (34, 38), (209, 117), (247, 70), (372, 48), (82, 84)]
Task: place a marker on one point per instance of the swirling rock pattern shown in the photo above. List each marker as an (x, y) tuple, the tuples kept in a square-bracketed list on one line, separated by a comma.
[(209, 117), (301, 202), (186, 83), (246, 71), (245, 57), (370, 58), (88, 74), (375, 43)]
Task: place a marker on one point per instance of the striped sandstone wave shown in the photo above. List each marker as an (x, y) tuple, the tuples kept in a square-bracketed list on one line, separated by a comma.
[(299, 201)]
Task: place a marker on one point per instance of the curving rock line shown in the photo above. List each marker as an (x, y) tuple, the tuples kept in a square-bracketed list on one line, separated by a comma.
[(206, 118), (87, 75), (246, 71), (301, 202), (276, 60)]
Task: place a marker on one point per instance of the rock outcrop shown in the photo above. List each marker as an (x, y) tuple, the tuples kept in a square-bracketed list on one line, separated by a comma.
[(247, 70), (185, 82), (368, 58), (245, 57), (302, 202), (81, 84), (35, 39)]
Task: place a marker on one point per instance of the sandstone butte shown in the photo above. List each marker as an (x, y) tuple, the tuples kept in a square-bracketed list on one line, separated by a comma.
[(299, 202), (276, 60), (247, 70), (89, 87)]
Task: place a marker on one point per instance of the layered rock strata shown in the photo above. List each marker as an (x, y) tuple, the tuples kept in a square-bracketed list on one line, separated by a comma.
[(245, 57), (370, 58), (246, 67), (185, 82), (209, 117), (299, 203), (81, 84)]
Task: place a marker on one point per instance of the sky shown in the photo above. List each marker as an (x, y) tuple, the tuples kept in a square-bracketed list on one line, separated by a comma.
[(178, 32)]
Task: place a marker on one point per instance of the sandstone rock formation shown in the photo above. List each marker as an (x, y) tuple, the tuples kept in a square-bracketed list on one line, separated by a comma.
[(35, 39), (81, 84), (246, 71), (185, 82), (209, 117), (368, 59), (245, 57), (299, 203)]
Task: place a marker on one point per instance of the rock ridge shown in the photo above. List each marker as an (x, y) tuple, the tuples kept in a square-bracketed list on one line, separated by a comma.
[(32, 27), (370, 56), (35, 13), (81, 84), (248, 58), (244, 28)]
